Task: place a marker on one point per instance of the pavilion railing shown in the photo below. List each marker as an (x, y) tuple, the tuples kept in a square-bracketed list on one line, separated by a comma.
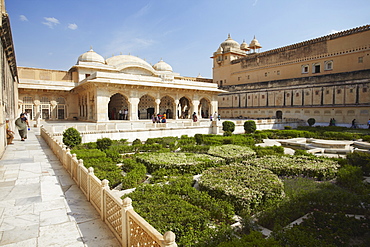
[(128, 226)]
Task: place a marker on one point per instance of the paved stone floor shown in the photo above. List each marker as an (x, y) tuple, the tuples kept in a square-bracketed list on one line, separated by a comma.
[(40, 205)]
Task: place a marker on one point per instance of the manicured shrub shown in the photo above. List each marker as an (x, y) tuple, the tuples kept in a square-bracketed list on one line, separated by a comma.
[(265, 151), (195, 149), (71, 137), (199, 139), (246, 187), (228, 126), (86, 154), (360, 159), (104, 143), (179, 207), (182, 163), (231, 152), (116, 157), (251, 240), (250, 126), (135, 173), (288, 127), (350, 177), (311, 121), (318, 168), (137, 141)]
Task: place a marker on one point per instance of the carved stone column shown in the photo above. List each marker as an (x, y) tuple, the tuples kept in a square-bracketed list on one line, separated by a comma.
[(157, 102), (53, 113), (133, 108), (177, 110)]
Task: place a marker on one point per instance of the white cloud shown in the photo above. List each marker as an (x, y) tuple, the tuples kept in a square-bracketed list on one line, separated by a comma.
[(51, 22), (335, 31), (72, 26), (23, 18)]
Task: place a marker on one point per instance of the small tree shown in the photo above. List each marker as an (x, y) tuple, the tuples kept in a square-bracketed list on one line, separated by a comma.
[(103, 143), (250, 126), (228, 127), (71, 137), (311, 121)]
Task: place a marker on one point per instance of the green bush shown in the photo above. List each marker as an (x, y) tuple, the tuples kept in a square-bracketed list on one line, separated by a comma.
[(311, 121), (135, 173), (227, 133), (231, 152), (116, 157), (104, 143), (251, 240), (318, 168), (71, 137), (137, 141), (228, 126), (199, 139), (288, 127), (350, 177), (179, 207), (194, 149), (250, 126), (89, 154), (246, 187), (265, 151), (360, 159)]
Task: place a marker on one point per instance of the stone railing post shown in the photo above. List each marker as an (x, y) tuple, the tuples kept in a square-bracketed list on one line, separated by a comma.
[(127, 205), (91, 173), (104, 187), (169, 239), (79, 165)]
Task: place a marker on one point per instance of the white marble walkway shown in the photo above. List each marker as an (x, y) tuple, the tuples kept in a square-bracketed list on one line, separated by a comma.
[(40, 205)]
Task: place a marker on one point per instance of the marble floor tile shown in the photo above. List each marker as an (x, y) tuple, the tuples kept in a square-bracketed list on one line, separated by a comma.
[(19, 234)]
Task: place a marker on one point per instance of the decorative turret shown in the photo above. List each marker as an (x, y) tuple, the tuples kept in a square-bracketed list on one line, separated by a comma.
[(255, 45), (244, 46)]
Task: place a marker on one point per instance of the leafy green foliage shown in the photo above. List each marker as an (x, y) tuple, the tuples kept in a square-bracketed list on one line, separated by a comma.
[(228, 126), (271, 150), (360, 159), (179, 207), (71, 137), (182, 163), (318, 168), (137, 142), (303, 195), (250, 126), (325, 229), (103, 143), (135, 173), (251, 240), (231, 152), (246, 187)]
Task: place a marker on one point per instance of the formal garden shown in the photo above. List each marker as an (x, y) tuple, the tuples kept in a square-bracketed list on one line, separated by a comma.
[(221, 190)]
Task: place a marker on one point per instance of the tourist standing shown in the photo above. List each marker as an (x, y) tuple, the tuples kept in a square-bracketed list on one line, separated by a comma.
[(22, 123), (195, 118), (354, 124)]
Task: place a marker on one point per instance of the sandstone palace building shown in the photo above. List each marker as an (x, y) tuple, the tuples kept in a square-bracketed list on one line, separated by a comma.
[(122, 87), (322, 78)]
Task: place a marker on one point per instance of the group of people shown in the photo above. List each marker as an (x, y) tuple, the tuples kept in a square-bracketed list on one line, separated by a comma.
[(21, 124), (332, 122), (123, 114), (157, 118)]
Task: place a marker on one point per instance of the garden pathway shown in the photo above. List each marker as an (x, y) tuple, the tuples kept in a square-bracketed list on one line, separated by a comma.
[(40, 205)]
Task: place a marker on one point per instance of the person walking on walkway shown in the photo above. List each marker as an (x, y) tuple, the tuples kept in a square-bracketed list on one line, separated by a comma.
[(9, 133), (22, 123), (368, 123)]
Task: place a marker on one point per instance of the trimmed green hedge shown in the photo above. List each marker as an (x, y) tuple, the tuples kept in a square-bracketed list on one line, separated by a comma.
[(231, 152), (246, 187), (313, 167), (182, 163)]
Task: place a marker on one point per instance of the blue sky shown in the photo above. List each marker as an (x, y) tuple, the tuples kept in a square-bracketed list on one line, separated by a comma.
[(51, 34)]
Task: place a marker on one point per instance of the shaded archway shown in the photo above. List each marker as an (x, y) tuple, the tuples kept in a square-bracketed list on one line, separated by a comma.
[(184, 108), (61, 108), (146, 107), (279, 114), (167, 106), (204, 108), (117, 107)]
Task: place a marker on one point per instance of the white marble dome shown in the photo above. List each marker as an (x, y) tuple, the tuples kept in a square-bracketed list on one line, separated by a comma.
[(91, 57), (162, 66), (230, 43), (122, 62)]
